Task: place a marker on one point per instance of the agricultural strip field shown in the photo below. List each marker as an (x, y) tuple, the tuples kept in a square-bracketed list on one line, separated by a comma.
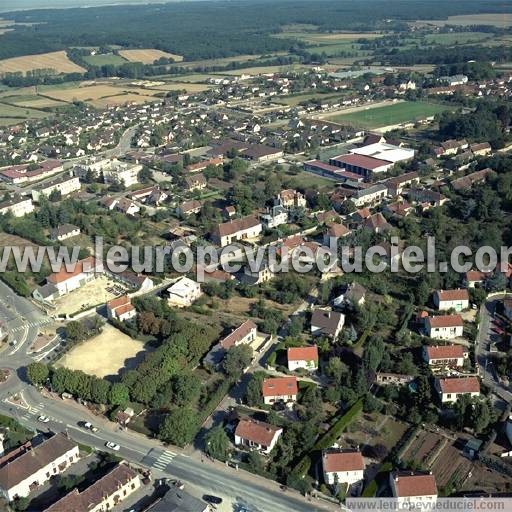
[(105, 354), (11, 114), (148, 56), (389, 115), (108, 59), (496, 19), (57, 61)]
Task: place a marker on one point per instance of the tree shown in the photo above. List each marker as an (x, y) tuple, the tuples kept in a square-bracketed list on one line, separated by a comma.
[(75, 331), (217, 443), (118, 394), (37, 373), (237, 360), (253, 391), (256, 462), (185, 387), (179, 427), (100, 391)]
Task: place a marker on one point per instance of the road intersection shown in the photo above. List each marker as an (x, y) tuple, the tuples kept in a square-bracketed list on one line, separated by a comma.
[(24, 319)]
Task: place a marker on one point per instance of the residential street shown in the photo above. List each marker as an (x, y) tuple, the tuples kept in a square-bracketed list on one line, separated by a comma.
[(256, 494)]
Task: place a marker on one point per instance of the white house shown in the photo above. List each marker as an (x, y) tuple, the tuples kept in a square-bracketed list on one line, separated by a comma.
[(303, 357), (445, 327), (276, 216), (66, 184), (83, 271), (445, 355), (33, 468), (18, 207), (120, 172), (245, 228), (290, 198), (445, 300), (245, 333), (184, 292), (450, 389), (257, 435), (104, 494), (413, 488), (64, 232), (342, 467), (278, 389), (325, 322), (121, 308)]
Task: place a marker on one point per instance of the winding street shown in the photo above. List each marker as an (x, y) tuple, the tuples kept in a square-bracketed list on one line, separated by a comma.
[(22, 320)]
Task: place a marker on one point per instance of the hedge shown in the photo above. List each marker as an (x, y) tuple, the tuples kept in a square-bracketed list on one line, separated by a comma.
[(334, 432)]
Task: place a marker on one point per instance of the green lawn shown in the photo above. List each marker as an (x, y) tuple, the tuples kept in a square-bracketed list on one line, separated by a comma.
[(108, 59), (407, 111)]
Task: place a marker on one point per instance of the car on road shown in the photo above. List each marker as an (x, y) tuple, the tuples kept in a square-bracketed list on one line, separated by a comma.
[(210, 498), (112, 446), (90, 426), (43, 419)]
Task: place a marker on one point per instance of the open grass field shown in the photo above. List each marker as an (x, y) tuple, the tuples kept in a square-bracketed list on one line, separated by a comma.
[(260, 70), (121, 99), (496, 19), (299, 98), (13, 111), (148, 56), (319, 38), (57, 61), (89, 295), (108, 59), (14, 241), (105, 354), (451, 38), (389, 115), (178, 86)]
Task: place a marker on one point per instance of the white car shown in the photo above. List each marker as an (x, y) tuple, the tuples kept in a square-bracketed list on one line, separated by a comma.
[(112, 446), (43, 419), (90, 426)]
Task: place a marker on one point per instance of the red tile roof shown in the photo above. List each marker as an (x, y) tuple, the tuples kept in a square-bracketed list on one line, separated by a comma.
[(449, 295), (476, 276), (303, 353), (445, 321), (445, 352), (279, 386), (118, 301), (363, 161), (239, 333), (236, 225), (415, 485), (334, 462), (256, 431), (338, 230), (83, 266), (460, 385)]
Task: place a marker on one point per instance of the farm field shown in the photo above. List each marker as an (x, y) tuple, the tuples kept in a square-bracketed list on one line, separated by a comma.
[(121, 99), (35, 102), (17, 112), (104, 354), (108, 59), (57, 61), (258, 70), (319, 38), (496, 19), (457, 37), (192, 78), (178, 86), (397, 113), (148, 56)]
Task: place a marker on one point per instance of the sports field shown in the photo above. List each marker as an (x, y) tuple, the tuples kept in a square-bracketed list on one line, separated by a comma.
[(389, 115)]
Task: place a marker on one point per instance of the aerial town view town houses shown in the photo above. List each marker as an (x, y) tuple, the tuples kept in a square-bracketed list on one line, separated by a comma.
[(255, 256)]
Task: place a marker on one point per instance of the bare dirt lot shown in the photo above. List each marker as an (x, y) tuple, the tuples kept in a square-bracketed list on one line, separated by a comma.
[(55, 60), (91, 294), (105, 354), (148, 56)]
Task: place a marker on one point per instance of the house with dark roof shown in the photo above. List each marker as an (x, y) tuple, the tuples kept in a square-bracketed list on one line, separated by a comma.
[(64, 232), (325, 322), (104, 494), (178, 500), (34, 467), (257, 435)]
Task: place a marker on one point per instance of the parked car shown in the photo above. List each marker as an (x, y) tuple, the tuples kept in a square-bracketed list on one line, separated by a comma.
[(43, 419), (90, 426), (112, 446), (215, 500)]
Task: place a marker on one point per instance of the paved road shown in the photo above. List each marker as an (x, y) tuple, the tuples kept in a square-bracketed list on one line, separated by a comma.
[(257, 494), (487, 372)]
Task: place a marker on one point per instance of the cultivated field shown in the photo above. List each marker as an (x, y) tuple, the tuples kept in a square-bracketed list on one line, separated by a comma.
[(91, 294), (178, 86), (108, 59), (148, 56), (319, 38), (105, 354), (13, 112), (389, 115), (14, 241), (57, 61), (496, 19)]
